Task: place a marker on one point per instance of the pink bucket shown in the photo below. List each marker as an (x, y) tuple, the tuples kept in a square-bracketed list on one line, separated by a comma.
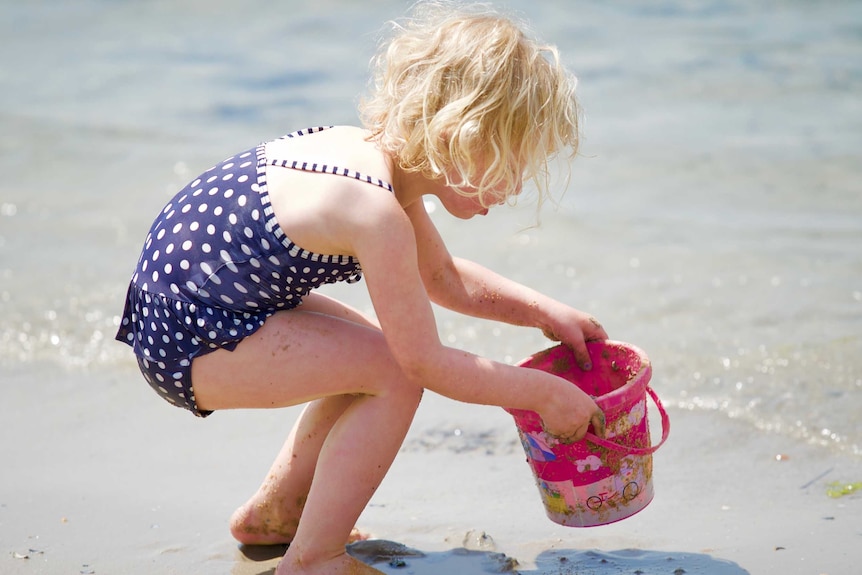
[(596, 481)]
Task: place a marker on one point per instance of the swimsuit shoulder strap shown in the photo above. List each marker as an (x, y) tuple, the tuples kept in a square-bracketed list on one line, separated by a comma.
[(321, 167)]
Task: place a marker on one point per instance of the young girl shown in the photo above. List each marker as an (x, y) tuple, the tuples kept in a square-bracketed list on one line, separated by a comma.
[(221, 311)]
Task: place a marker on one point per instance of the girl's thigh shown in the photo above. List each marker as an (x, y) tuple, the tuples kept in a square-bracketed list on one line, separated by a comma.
[(321, 349)]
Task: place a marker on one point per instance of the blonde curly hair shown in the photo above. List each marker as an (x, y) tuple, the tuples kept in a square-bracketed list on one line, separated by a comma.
[(459, 91)]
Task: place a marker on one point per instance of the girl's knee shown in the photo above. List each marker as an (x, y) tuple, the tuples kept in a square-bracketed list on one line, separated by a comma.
[(406, 391)]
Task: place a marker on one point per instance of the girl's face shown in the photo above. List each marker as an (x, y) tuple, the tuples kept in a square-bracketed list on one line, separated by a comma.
[(465, 207)]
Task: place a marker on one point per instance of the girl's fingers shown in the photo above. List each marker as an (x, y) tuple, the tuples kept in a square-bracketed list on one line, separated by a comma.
[(582, 356), (598, 421)]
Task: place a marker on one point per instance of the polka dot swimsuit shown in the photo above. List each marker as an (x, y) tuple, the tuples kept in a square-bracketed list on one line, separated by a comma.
[(215, 265)]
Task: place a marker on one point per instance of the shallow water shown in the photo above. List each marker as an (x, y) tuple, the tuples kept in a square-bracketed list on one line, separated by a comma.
[(714, 217)]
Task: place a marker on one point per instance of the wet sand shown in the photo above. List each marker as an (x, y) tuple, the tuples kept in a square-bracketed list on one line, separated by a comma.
[(89, 488)]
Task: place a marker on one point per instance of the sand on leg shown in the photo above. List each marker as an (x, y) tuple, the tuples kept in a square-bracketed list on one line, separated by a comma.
[(313, 355), (271, 515)]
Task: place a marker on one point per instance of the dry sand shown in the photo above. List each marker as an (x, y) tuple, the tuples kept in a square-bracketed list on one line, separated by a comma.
[(100, 476)]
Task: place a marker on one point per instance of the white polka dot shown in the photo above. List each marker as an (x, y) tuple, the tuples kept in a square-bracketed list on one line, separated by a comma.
[(168, 268), (187, 245), (187, 208), (184, 264), (161, 234), (232, 219), (242, 178), (206, 248), (206, 268), (217, 210), (211, 229), (226, 236), (202, 208), (169, 248), (227, 166), (228, 193), (177, 227), (194, 226), (213, 191), (241, 201)]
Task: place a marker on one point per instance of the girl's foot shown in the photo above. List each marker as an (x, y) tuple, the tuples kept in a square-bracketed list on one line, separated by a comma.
[(262, 523), (340, 565)]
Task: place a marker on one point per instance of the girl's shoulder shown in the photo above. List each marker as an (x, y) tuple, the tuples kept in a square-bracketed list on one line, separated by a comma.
[(337, 147)]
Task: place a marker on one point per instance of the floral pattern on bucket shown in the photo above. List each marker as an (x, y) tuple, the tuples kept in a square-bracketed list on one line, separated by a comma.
[(596, 481)]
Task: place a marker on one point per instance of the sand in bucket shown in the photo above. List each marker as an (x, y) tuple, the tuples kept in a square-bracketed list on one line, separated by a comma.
[(596, 481)]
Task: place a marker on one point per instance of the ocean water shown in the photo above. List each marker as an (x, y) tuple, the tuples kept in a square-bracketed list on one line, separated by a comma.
[(713, 218)]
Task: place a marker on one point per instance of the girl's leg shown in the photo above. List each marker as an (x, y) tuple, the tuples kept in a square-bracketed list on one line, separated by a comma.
[(301, 356), (271, 515)]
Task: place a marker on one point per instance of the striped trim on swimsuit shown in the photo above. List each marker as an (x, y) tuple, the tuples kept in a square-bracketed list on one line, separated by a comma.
[(324, 168)]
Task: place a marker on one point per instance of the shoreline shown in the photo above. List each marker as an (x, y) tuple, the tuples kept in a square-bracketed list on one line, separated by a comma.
[(90, 488)]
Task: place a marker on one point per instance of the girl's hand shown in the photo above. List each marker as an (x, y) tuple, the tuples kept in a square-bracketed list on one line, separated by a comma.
[(568, 417), (574, 328)]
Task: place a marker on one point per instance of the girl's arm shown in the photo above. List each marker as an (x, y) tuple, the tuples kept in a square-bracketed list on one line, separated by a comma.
[(469, 288), (383, 238)]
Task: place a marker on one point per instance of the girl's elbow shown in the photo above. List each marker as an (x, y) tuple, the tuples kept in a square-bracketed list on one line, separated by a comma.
[(421, 365)]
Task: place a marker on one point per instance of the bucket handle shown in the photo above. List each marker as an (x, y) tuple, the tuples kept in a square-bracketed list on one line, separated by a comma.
[(665, 426)]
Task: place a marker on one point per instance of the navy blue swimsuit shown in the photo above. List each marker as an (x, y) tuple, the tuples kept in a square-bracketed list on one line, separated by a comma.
[(215, 265)]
